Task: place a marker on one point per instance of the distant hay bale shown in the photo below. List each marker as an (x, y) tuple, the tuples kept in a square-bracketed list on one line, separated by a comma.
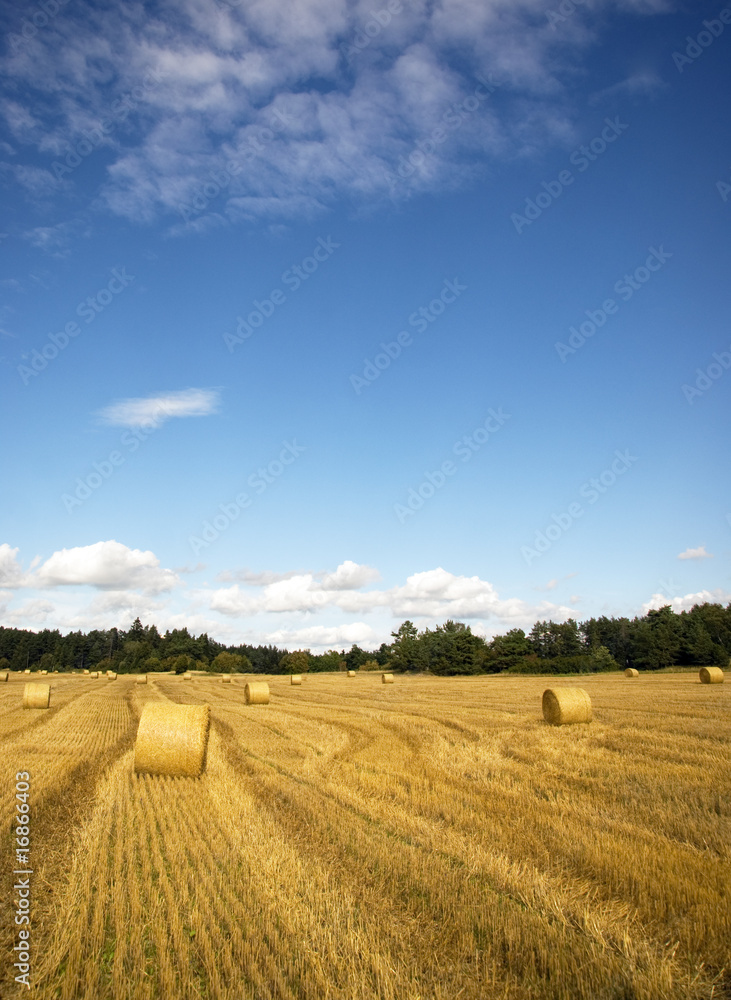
[(187, 675), (172, 739), (565, 705), (631, 672), (351, 673), (226, 678), (94, 674), (44, 672), (28, 671), (111, 675), (711, 675), (141, 680), (295, 679), (36, 695), (4, 675), (85, 671), (386, 678), (257, 693)]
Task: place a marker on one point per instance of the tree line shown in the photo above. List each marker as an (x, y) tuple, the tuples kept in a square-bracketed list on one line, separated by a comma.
[(661, 638)]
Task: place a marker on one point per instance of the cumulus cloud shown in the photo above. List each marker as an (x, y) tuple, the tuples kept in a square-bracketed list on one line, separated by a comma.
[(155, 410), (431, 594), (699, 553), (686, 602), (107, 566), (11, 575), (324, 636)]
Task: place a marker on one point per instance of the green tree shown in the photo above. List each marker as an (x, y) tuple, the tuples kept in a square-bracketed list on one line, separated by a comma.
[(297, 662), (452, 649), (507, 651), (230, 663), (406, 652)]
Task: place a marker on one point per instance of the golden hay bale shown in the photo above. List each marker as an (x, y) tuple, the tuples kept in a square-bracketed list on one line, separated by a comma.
[(172, 739), (226, 678), (386, 678), (44, 672), (631, 672), (351, 673), (36, 695), (711, 675), (257, 693), (295, 679), (4, 675), (111, 675), (94, 674), (565, 705), (86, 671), (141, 680), (26, 671), (187, 675)]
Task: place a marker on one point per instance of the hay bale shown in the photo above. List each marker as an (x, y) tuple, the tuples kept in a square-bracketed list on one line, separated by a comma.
[(111, 675), (4, 675), (351, 673), (86, 671), (28, 671), (631, 672), (565, 705), (386, 678), (225, 678), (94, 674), (141, 680), (187, 675), (36, 695), (295, 679), (172, 739), (44, 672), (257, 693), (711, 675)]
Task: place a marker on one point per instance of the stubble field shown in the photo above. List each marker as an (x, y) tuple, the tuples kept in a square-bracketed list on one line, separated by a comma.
[(432, 839)]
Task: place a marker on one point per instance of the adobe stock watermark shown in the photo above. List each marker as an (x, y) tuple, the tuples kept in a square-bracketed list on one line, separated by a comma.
[(706, 377), (564, 11), (590, 491), (102, 471), (371, 29), (258, 481), (464, 449), (93, 138), (451, 120), (221, 177), (88, 310), (41, 17), (419, 320), (625, 288), (581, 158), (293, 278), (695, 47), (724, 189)]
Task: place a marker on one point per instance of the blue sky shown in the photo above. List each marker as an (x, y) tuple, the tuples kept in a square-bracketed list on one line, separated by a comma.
[(321, 316)]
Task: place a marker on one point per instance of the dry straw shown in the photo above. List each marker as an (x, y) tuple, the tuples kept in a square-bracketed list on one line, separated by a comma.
[(295, 679), (711, 675), (111, 675), (257, 693), (562, 706), (4, 675), (141, 680), (86, 671), (187, 675), (94, 674), (44, 672), (226, 678), (387, 678), (172, 739), (351, 673), (631, 672), (36, 695), (27, 671)]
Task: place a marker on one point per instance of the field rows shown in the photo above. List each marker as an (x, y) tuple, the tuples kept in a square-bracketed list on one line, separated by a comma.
[(433, 839)]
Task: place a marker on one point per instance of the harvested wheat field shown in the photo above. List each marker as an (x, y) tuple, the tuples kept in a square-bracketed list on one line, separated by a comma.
[(434, 839)]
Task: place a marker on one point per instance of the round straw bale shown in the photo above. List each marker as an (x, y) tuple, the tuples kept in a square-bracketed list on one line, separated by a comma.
[(86, 671), (351, 673), (711, 675), (226, 678), (4, 675), (567, 704), (44, 672), (631, 672), (28, 671), (111, 675), (141, 680), (94, 674), (172, 739), (387, 678), (257, 693), (295, 679), (187, 675), (36, 695)]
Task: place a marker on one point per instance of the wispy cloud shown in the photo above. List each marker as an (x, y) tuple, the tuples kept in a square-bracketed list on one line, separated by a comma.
[(146, 411), (699, 553)]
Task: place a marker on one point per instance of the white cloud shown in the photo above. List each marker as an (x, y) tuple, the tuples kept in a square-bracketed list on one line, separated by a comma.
[(349, 576), (699, 553), (11, 575), (685, 603), (155, 410), (108, 566), (325, 637)]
